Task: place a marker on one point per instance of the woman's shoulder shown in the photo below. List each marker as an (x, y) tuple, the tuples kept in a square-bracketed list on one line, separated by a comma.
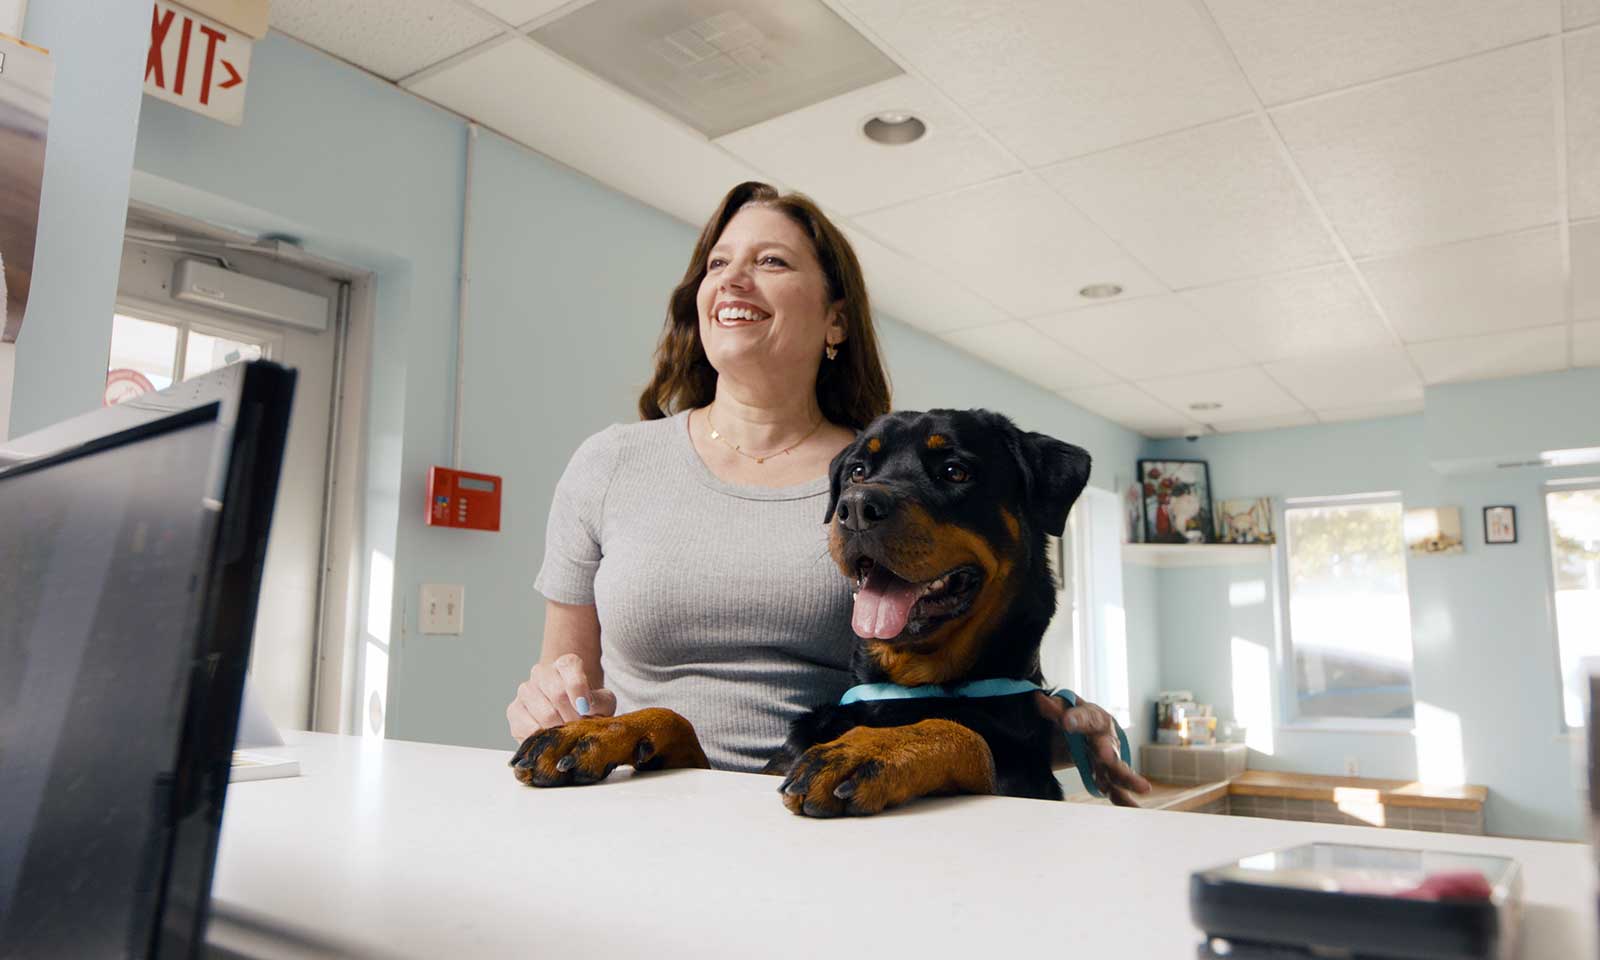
[(626, 441)]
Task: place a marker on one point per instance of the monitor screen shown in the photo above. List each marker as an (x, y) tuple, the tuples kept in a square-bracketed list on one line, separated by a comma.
[(129, 566)]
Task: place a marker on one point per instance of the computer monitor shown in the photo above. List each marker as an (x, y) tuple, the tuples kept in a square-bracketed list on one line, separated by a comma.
[(131, 548)]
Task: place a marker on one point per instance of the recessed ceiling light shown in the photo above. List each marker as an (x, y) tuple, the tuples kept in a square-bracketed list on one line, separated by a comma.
[(1205, 405), (894, 128), (1100, 291)]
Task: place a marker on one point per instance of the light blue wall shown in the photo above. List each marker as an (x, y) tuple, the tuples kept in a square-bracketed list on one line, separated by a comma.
[(1482, 630), (66, 334), (568, 287), (367, 175)]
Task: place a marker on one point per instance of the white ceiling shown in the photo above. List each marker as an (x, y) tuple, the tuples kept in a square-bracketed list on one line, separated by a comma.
[(1314, 208)]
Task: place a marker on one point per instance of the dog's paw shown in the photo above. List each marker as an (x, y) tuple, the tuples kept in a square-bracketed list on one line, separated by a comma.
[(870, 769), (579, 752)]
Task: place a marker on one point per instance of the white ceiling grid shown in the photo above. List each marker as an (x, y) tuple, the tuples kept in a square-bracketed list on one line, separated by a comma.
[(1313, 208)]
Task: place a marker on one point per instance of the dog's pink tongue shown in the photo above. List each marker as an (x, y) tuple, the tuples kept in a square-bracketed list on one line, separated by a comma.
[(883, 604)]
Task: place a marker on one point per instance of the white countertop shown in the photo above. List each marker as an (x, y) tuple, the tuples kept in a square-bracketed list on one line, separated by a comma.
[(390, 848)]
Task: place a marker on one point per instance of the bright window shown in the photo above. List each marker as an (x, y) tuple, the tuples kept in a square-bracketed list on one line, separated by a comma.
[(151, 354), (1575, 550), (1349, 614)]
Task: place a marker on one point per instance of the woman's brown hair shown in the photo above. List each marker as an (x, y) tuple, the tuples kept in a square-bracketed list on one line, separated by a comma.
[(851, 390)]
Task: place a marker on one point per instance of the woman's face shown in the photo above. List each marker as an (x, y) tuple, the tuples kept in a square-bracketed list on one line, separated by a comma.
[(763, 303)]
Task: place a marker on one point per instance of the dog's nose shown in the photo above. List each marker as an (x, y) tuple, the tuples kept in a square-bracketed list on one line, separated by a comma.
[(861, 507)]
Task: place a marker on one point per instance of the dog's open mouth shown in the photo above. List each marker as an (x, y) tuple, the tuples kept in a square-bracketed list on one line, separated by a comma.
[(888, 606)]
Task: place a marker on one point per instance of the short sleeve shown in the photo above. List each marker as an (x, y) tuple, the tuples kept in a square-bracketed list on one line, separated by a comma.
[(572, 540)]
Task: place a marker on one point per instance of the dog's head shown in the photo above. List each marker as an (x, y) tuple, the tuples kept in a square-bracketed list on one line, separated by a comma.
[(940, 519)]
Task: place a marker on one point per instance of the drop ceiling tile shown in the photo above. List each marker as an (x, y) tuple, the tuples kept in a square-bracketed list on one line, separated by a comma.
[(1200, 206), (1308, 312), (530, 95), (1381, 375), (402, 38), (1019, 348), (1577, 13), (920, 296), (519, 12), (821, 149), (1586, 344), (718, 65), (1297, 48), (1493, 356), (1371, 411), (1126, 404), (1479, 286), (1245, 393), (1053, 80), (1583, 124), (1139, 339), (1586, 270), (1282, 422), (1462, 150), (1013, 241)]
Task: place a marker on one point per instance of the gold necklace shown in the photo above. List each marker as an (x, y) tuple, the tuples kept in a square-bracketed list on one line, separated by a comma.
[(763, 458)]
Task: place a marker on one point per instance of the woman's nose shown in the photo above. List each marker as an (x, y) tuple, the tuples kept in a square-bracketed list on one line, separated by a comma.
[(736, 275)]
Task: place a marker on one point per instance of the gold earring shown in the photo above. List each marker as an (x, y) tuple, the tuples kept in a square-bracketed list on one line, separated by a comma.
[(832, 352)]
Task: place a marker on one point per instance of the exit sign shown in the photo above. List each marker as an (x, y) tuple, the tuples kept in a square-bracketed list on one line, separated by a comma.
[(197, 63)]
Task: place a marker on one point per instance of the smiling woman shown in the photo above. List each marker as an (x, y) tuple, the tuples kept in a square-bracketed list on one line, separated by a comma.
[(686, 557)]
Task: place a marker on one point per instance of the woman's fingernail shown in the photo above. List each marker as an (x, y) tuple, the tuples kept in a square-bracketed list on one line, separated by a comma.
[(1072, 722), (583, 706)]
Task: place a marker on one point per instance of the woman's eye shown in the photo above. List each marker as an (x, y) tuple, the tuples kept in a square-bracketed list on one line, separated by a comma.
[(774, 261), (715, 263), (956, 473), (858, 473)]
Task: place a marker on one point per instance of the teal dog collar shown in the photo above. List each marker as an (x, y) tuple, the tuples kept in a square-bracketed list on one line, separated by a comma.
[(1076, 742)]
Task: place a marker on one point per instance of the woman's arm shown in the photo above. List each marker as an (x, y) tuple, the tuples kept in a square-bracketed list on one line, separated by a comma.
[(566, 682)]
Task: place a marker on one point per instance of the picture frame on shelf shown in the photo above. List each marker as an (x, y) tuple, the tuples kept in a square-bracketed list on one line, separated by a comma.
[(1245, 521), (1433, 531), (1500, 524), (1177, 501)]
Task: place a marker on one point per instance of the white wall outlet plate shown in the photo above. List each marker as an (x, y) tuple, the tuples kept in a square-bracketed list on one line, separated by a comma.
[(440, 611)]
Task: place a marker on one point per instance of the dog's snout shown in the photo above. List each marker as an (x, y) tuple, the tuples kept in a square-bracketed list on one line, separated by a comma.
[(862, 507)]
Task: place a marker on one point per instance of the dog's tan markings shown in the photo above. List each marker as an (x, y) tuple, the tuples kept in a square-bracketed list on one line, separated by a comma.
[(870, 769), (586, 750), (874, 445), (937, 441), (1012, 525), (923, 549)]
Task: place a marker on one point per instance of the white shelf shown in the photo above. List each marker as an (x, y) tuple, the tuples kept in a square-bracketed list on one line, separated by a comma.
[(1195, 554)]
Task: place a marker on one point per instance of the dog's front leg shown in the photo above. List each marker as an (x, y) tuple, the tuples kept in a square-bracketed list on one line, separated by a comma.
[(870, 769), (586, 750)]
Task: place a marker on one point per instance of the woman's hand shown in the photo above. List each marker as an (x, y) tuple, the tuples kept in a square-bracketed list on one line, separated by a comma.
[(1114, 778), (554, 693)]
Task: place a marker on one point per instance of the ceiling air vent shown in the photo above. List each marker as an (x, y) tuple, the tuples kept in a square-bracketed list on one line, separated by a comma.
[(723, 65)]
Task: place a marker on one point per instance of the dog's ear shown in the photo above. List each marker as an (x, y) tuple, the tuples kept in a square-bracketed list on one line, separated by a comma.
[(1054, 474), (836, 477)]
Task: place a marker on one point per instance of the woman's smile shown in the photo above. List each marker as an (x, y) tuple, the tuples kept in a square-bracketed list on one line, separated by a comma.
[(738, 313)]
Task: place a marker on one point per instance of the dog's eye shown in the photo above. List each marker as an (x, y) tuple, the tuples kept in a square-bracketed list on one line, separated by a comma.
[(956, 473), (858, 473)]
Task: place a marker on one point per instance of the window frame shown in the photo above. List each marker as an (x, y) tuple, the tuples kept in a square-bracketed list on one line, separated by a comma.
[(1562, 485), (1289, 718), (199, 322), (1092, 660)]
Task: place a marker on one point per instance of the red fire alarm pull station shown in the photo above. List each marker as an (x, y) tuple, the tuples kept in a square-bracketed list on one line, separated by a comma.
[(457, 498)]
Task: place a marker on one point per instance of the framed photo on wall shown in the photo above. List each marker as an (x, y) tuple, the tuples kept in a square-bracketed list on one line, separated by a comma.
[(1177, 501), (1500, 524)]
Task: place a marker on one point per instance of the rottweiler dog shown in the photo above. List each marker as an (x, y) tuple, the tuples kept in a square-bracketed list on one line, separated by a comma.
[(939, 518)]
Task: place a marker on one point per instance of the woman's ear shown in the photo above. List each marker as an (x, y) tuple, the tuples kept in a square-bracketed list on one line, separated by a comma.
[(838, 326)]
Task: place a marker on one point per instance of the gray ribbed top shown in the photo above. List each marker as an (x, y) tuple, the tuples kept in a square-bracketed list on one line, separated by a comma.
[(717, 601)]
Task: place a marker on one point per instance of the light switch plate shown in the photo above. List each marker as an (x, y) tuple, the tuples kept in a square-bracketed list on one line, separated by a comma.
[(441, 608)]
